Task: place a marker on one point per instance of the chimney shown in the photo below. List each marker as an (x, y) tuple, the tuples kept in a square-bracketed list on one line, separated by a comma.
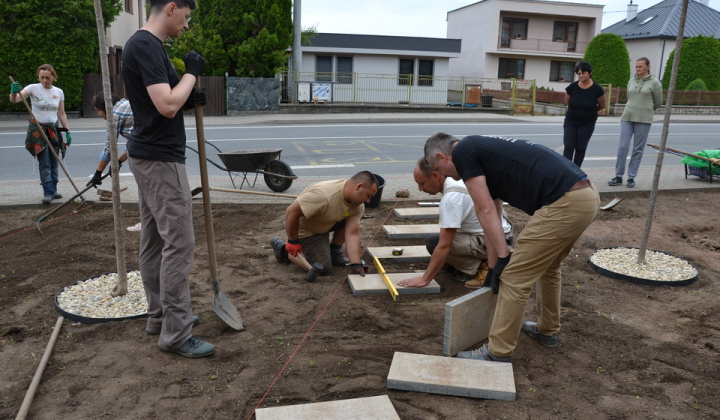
[(631, 11)]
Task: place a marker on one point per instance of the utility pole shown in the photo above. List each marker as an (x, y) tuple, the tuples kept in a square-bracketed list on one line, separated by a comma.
[(296, 60)]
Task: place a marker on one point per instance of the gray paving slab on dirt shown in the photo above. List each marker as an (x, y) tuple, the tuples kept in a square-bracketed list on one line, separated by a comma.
[(377, 408), (410, 254), (452, 376), (468, 320), (410, 231), (418, 213), (372, 284)]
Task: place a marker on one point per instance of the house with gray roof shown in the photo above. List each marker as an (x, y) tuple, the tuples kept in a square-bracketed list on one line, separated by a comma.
[(652, 32), (375, 68)]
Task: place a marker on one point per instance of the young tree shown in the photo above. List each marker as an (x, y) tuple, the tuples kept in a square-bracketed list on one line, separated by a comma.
[(700, 59), (61, 33), (609, 59), (242, 38)]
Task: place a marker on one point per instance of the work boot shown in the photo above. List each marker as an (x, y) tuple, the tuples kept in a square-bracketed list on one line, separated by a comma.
[(338, 259), (531, 329), (479, 280), (314, 272), (193, 347), (277, 245)]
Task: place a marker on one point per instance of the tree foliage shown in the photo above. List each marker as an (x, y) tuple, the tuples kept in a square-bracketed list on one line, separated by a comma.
[(609, 59), (699, 59), (242, 38), (60, 33), (697, 84)]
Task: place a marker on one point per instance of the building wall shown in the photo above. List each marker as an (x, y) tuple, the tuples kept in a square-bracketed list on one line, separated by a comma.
[(653, 50)]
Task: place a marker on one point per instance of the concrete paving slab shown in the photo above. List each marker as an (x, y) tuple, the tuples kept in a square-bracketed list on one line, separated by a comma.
[(372, 284), (379, 408), (410, 231), (410, 254), (418, 213), (468, 320), (452, 376)]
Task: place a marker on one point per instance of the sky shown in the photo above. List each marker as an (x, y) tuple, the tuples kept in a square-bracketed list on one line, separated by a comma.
[(421, 18)]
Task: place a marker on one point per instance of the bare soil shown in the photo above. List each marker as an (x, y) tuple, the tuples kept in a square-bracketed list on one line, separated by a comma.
[(626, 351)]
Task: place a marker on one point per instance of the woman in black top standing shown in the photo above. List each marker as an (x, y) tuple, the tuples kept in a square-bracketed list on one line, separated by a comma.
[(584, 99)]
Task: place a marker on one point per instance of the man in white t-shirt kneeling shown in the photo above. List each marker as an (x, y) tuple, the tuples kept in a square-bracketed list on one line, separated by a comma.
[(460, 242)]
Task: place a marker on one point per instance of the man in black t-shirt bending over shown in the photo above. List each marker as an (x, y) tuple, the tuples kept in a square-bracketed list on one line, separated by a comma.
[(561, 202), (157, 160)]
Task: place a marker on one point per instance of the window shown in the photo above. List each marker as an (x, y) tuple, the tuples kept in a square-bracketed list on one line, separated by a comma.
[(407, 70), (513, 28), (566, 32), (323, 68), (425, 72), (562, 71), (511, 68), (344, 70), (129, 6)]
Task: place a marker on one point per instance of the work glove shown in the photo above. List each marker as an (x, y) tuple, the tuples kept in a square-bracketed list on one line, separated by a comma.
[(68, 138), (194, 63), (488, 278), (357, 268), (292, 246), (15, 88), (96, 179), (197, 96), (496, 272)]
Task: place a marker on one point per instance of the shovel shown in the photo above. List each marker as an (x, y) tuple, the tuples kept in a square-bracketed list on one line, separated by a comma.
[(221, 304)]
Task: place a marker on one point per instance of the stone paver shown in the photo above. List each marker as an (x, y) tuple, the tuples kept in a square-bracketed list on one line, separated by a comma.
[(418, 213), (410, 231), (410, 254), (376, 408), (452, 376), (467, 320), (372, 284)]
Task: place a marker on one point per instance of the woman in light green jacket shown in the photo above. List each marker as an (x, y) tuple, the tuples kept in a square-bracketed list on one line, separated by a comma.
[(644, 93)]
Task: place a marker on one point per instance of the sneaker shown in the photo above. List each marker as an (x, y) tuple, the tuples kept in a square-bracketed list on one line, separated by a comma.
[(631, 183), (338, 259), (193, 347), (483, 353), (277, 245), (615, 181), (195, 321), (314, 272), (47, 199), (531, 329), (135, 228), (57, 196)]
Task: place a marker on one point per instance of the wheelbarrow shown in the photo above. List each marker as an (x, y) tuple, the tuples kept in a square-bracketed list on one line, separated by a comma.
[(238, 164)]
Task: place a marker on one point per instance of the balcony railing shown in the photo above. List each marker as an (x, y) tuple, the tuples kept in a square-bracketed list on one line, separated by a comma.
[(542, 45)]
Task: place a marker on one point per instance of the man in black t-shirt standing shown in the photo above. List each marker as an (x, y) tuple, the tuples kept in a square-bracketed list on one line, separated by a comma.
[(562, 203), (157, 160)]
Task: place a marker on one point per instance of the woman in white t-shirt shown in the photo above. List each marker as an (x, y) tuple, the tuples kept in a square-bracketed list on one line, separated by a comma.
[(48, 106)]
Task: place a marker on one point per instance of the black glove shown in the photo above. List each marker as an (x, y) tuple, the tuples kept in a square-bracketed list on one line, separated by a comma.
[(194, 63), (496, 272), (488, 278), (197, 96), (357, 268), (96, 180)]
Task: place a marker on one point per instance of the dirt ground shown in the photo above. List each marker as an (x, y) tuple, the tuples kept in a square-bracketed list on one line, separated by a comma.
[(626, 351)]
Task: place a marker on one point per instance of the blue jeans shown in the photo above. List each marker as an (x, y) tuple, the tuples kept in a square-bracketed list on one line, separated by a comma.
[(48, 167)]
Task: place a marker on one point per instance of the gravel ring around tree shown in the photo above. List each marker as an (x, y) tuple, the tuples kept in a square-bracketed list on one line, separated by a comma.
[(660, 268)]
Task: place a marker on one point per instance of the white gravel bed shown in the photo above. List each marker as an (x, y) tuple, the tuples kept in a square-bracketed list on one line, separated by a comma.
[(658, 266), (93, 298)]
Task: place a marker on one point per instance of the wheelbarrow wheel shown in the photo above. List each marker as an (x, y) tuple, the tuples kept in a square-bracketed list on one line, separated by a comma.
[(276, 183)]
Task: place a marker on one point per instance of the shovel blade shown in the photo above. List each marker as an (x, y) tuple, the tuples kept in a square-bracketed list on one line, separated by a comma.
[(227, 311)]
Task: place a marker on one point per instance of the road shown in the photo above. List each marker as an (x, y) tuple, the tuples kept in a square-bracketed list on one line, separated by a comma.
[(344, 149)]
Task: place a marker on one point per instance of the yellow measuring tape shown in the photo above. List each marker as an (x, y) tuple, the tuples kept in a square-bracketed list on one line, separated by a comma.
[(391, 287)]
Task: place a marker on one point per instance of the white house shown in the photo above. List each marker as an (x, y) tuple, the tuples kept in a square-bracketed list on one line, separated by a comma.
[(523, 39), (131, 18), (652, 32), (374, 68)]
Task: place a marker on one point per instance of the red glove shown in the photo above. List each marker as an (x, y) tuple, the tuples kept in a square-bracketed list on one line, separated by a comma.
[(292, 246)]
